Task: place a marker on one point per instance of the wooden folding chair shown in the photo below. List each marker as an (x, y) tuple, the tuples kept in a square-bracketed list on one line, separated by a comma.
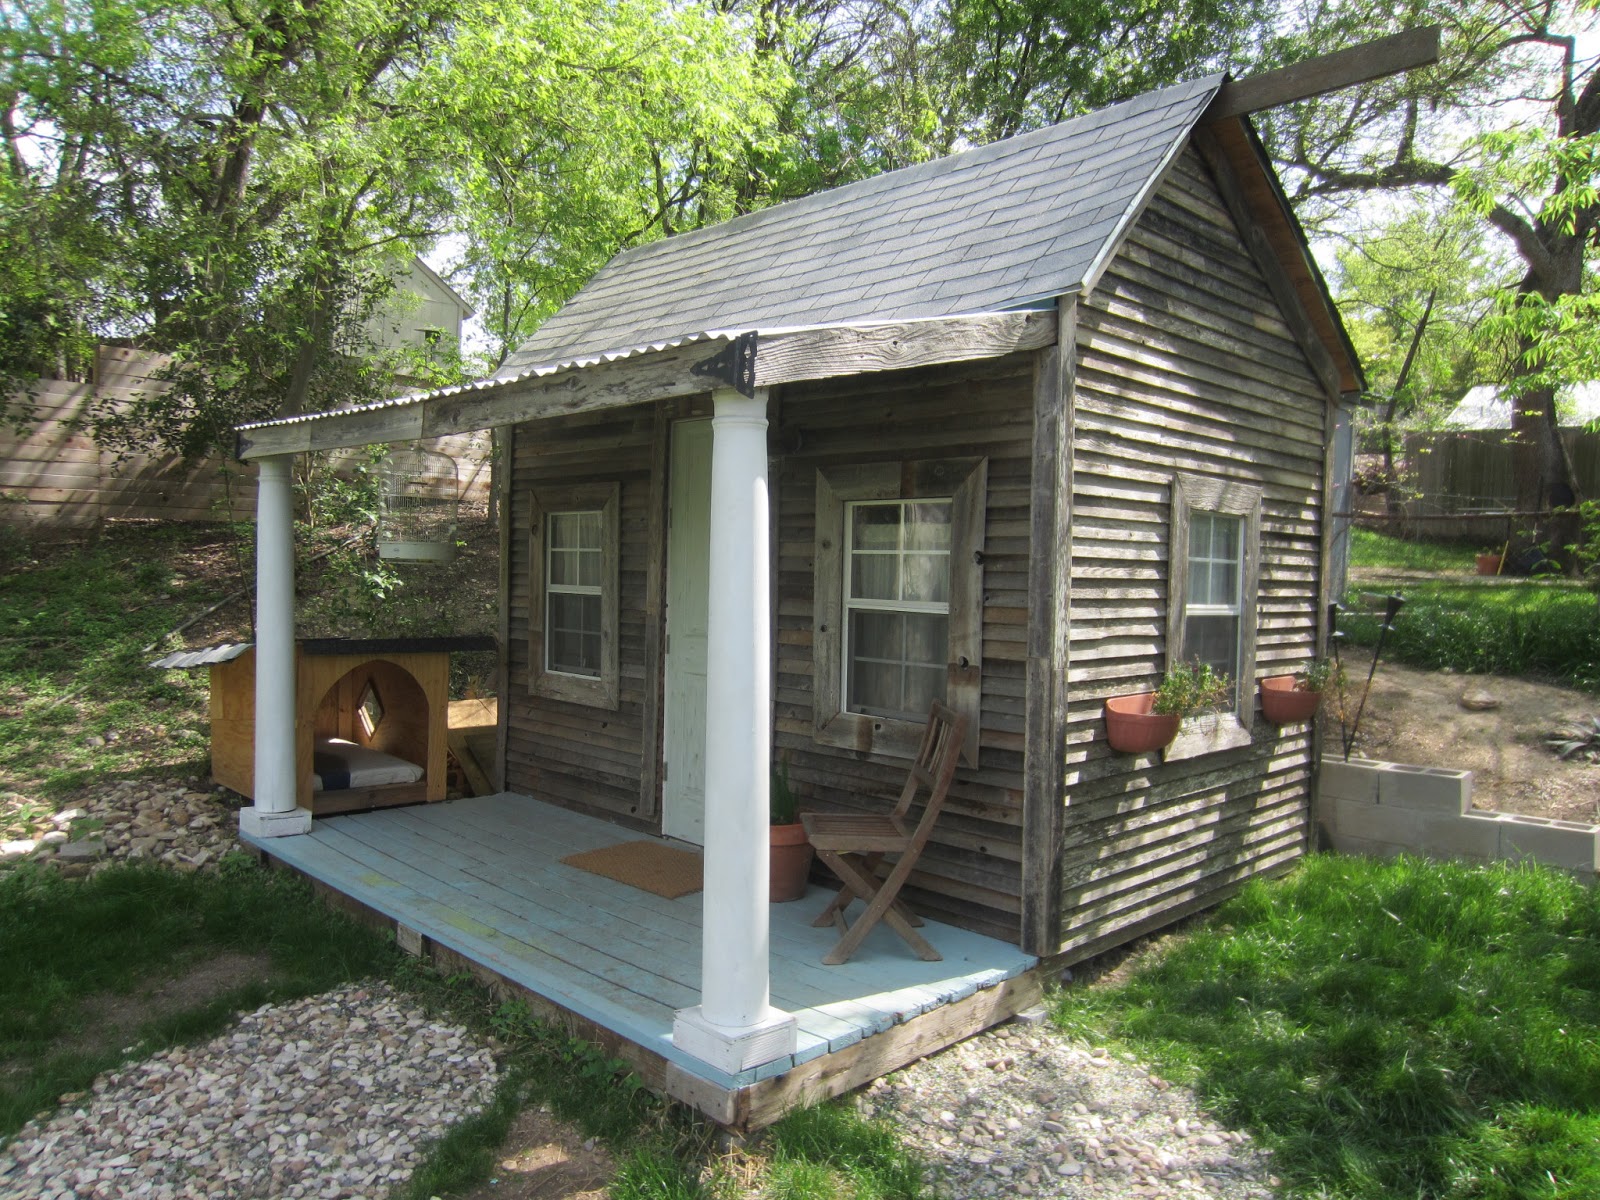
[(853, 844)]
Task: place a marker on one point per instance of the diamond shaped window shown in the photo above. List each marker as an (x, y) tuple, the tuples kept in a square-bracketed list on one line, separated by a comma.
[(370, 710)]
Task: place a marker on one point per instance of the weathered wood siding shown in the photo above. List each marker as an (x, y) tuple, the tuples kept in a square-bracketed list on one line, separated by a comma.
[(1185, 364), (970, 873), (575, 754)]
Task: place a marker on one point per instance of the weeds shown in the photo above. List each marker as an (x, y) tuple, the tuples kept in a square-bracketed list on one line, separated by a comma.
[(1388, 1029)]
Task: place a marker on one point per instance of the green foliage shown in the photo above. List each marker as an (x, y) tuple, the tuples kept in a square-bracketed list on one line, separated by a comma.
[(1190, 688), (1388, 1029), (68, 941), (1541, 629), (783, 803), (1319, 676)]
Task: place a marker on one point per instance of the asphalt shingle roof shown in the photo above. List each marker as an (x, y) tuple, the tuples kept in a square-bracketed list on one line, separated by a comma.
[(1016, 221)]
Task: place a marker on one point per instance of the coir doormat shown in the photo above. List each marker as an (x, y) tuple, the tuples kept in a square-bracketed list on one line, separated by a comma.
[(650, 866)]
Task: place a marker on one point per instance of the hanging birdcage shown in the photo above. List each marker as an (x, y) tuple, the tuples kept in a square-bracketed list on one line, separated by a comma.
[(417, 522)]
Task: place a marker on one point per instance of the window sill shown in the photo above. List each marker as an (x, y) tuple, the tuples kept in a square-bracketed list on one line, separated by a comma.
[(1207, 735)]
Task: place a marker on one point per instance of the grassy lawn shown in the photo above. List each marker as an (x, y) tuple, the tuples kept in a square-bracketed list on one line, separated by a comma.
[(80, 954), (77, 701), (1539, 628), (1388, 1029), (1377, 551)]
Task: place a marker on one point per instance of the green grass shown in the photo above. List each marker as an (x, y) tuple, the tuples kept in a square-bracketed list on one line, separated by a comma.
[(1541, 629), (66, 942), (73, 623), (1377, 551), (1387, 1029), (830, 1151)]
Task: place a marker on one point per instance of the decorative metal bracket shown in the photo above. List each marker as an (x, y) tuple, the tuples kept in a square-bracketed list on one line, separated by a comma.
[(733, 365)]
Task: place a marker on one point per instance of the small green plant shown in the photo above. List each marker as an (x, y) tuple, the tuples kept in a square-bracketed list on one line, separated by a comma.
[(1576, 739), (1318, 676), (1190, 688), (783, 804)]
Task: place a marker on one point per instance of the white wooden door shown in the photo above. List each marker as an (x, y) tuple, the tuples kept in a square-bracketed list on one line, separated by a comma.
[(683, 802)]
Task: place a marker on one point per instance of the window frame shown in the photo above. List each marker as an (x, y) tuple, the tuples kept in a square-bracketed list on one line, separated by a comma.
[(598, 691), (1229, 728), (962, 481)]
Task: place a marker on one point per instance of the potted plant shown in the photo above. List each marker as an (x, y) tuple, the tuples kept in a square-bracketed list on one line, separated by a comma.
[(789, 853), (1286, 699), (1490, 562), (1147, 721)]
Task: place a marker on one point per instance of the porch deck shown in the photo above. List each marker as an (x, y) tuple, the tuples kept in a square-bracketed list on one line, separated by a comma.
[(482, 877)]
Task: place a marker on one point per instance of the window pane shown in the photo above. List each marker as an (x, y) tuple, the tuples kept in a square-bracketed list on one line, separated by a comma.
[(1225, 583), (874, 576), (1224, 536), (876, 635), (875, 688), (927, 638), (589, 530), (928, 526), (589, 567), (927, 577), (1213, 641), (877, 526), (573, 636), (563, 530), (924, 685)]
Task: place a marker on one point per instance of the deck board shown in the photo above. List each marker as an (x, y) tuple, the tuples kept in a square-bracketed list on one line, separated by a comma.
[(483, 877)]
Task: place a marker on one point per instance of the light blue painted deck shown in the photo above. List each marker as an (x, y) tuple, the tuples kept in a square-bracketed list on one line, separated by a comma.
[(482, 877)]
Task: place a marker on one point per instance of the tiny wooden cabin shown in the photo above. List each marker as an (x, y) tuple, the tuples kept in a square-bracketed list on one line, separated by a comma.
[(1016, 430)]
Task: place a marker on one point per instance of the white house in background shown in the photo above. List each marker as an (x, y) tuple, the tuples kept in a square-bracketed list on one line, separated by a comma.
[(1489, 407), (422, 311)]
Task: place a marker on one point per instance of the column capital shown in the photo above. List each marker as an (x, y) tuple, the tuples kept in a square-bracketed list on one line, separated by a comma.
[(733, 408)]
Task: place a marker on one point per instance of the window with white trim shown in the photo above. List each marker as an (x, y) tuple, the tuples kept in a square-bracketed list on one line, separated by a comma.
[(573, 551), (898, 601), (1213, 578), (897, 606), (575, 555)]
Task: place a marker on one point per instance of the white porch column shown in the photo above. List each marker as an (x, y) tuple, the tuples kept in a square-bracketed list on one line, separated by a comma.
[(275, 812), (735, 1026)]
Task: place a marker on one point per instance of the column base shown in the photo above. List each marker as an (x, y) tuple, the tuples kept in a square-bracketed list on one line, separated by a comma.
[(733, 1049), (274, 824)]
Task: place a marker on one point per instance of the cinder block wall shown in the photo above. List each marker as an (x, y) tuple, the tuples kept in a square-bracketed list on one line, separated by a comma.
[(1381, 808)]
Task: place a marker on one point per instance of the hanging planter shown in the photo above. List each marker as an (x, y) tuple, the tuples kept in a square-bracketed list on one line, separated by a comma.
[(417, 520), (1284, 702)]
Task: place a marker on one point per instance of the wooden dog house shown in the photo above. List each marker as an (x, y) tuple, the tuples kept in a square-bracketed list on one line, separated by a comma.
[(383, 703)]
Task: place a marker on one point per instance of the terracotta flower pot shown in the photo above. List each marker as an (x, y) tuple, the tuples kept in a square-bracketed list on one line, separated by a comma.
[(1133, 729), (1488, 564), (1284, 704), (788, 862)]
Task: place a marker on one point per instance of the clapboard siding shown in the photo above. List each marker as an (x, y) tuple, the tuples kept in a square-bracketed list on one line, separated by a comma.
[(970, 874), (1185, 364), (574, 754)]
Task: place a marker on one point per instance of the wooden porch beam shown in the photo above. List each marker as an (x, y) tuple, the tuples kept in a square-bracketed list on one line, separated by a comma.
[(1378, 59), (789, 356), (781, 356)]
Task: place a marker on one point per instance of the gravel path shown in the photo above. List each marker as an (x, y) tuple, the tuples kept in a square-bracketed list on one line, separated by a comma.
[(1024, 1111), (331, 1097)]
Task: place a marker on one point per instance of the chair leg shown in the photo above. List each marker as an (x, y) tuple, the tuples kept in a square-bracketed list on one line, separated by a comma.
[(880, 907), (845, 895)]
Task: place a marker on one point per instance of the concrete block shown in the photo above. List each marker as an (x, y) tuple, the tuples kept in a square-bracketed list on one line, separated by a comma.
[(1353, 780), (1474, 837), (1425, 789), (1380, 823), (1558, 844)]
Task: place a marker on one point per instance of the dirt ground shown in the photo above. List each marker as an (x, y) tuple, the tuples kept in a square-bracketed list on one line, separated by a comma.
[(1415, 716), (544, 1158)]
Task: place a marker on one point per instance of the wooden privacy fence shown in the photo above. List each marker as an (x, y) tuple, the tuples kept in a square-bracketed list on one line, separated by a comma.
[(1465, 481), (53, 476)]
